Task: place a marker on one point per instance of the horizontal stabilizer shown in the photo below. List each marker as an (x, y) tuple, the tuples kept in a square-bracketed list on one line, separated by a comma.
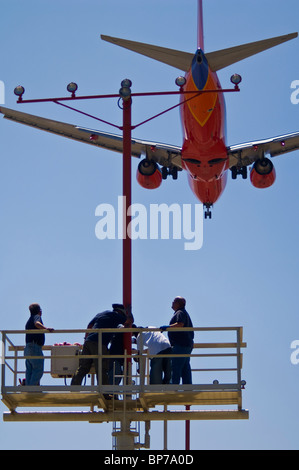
[(217, 60), (178, 59), (220, 59)]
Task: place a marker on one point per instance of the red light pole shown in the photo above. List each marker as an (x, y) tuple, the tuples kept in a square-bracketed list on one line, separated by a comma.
[(125, 93)]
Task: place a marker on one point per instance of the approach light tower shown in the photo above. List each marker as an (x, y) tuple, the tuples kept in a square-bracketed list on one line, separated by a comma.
[(147, 396)]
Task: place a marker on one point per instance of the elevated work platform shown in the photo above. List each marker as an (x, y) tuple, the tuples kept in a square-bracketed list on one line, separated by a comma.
[(216, 374)]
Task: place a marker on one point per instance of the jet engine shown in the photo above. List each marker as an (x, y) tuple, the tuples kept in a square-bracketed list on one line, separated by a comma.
[(263, 173), (149, 175)]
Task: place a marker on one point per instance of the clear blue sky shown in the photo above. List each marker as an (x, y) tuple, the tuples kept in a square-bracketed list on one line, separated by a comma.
[(246, 273)]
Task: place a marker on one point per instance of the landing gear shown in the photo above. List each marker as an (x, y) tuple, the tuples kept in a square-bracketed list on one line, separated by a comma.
[(169, 171), (208, 213), (239, 171)]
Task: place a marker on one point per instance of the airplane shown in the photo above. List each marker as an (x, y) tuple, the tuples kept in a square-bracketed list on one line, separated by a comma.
[(204, 153)]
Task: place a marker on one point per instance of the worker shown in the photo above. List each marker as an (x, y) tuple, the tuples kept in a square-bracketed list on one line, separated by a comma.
[(106, 319), (156, 344), (181, 342), (116, 364), (34, 344)]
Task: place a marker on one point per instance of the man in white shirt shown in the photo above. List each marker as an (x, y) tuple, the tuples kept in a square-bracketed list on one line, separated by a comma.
[(156, 344)]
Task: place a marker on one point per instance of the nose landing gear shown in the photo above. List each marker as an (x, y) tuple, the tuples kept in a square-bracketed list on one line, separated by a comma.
[(208, 213)]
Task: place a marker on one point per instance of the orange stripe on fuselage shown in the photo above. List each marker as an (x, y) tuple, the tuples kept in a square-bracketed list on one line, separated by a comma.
[(202, 107)]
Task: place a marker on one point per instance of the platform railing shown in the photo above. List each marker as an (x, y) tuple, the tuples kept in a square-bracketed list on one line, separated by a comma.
[(217, 367)]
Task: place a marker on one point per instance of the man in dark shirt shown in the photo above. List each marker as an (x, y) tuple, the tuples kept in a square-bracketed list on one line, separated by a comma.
[(34, 344), (181, 342), (116, 365), (106, 319)]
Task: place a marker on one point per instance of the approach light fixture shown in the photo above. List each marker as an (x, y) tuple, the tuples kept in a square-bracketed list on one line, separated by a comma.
[(125, 90), (236, 79), (19, 91), (243, 383), (72, 88), (180, 81), (126, 83)]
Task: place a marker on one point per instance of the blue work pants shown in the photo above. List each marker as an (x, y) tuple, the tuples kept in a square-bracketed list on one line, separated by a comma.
[(180, 366), (34, 367)]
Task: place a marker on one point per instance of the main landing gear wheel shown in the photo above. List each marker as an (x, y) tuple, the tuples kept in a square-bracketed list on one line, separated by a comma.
[(239, 171), (169, 171)]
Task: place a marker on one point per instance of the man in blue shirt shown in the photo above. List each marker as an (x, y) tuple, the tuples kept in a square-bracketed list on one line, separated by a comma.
[(34, 344), (106, 319), (181, 342)]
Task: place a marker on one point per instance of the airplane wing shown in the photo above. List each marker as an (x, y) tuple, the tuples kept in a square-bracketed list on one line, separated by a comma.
[(247, 153), (164, 154)]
